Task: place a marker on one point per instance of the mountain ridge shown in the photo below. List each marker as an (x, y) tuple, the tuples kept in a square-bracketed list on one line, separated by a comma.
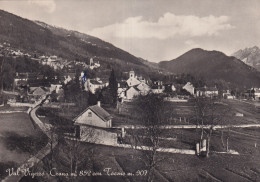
[(213, 65), (41, 37), (250, 56)]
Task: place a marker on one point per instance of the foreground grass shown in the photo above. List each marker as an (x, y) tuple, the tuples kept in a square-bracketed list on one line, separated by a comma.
[(174, 167), (19, 140)]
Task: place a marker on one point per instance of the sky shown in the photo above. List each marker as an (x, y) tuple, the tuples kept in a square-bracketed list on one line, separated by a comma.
[(155, 30)]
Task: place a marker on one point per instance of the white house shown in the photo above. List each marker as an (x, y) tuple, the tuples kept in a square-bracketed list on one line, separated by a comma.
[(93, 125), (207, 91), (92, 85), (143, 88), (121, 90), (257, 93), (157, 87), (227, 95), (190, 88), (173, 88), (94, 116), (55, 87), (68, 77), (132, 92)]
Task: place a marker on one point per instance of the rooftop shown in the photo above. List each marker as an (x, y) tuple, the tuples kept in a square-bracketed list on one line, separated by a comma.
[(102, 113)]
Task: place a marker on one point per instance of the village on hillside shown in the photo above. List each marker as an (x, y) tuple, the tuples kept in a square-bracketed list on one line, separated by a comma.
[(76, 105), (129, 91)]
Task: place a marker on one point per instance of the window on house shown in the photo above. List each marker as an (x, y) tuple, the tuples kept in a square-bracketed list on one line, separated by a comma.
[(89, 114)]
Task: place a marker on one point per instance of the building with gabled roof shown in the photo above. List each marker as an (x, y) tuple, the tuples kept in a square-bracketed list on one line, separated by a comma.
[(132, 92), (143, 88), (189, 88), (94, 116), (92, 85), (94, 125)]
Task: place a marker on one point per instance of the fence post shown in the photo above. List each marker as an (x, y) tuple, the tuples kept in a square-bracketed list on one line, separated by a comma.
[(198, 148)]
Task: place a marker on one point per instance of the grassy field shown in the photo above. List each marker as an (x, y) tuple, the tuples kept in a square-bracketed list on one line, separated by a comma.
[(9, 108), (19, 139), (218, 166), (130, 113), (250, 111), (175, 167)]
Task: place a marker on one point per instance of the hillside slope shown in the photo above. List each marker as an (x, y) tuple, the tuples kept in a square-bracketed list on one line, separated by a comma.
[(214, 65), (250, 56), (44, 39)]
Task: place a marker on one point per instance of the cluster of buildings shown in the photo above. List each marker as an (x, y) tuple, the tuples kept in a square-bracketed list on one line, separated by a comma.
[(32, 86), (59, 63), (12, 52), (93, 64), (253, 93), (135, 86)]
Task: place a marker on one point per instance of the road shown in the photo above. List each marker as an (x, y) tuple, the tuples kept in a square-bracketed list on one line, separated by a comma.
[(192, 126)]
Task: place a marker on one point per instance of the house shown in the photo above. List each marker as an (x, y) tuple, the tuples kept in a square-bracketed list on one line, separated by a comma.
[(55, 87), (68, 77), (94, 125), (173, 88), (157, 87), (37, 92), (207, 91), (132, 92), (143, 88), (94, 116), (227, 95), (92, 85), (121, 89), (20, 79), (255, 92), (189, 88), (93, 65)]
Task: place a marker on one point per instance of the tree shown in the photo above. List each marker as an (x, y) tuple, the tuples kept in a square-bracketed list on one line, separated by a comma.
[(2, 73), (113, 87), (208, 112), (150, 138)]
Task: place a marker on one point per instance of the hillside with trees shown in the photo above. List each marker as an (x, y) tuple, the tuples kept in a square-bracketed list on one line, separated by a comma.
[(38, 38)]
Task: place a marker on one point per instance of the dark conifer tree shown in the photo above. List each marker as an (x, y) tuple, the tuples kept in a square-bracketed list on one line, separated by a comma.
[(113, 87)]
